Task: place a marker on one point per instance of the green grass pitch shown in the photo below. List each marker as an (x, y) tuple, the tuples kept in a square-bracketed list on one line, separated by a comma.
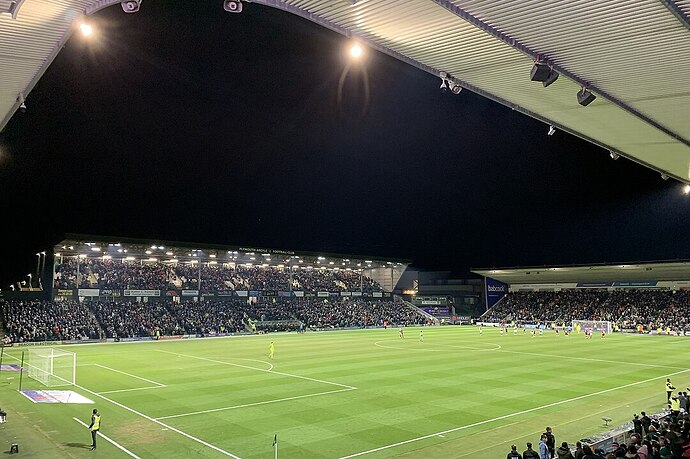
[(363, 393)]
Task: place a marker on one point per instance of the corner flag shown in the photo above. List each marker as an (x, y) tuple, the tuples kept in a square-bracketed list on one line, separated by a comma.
[(275, 440), (275, 446)]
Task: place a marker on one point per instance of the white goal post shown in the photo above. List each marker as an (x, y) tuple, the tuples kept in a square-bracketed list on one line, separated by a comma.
[(52, 367), (594, 325)]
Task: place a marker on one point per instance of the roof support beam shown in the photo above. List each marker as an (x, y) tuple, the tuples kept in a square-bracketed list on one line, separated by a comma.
[(510, 41), (677, 12)]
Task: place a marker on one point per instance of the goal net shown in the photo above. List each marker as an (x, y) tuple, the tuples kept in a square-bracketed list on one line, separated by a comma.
[(52, 367), (594, 325)]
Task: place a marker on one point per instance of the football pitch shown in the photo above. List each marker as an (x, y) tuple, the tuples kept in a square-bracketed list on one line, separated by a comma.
[(345, 394)]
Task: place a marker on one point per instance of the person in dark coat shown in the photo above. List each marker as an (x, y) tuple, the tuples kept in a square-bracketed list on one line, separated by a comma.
[(563, 452), (530, 453)]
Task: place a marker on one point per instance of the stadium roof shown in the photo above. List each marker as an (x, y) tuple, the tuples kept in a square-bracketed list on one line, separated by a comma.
[(634, 55), (168, 251), (630, 272)]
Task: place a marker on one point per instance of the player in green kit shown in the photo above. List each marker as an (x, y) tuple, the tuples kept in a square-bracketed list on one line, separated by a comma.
[(271, 350)]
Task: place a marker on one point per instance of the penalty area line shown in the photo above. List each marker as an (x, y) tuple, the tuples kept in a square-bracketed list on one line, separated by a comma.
[(221, 362), (265, 402), (510, 415), (110, 440)]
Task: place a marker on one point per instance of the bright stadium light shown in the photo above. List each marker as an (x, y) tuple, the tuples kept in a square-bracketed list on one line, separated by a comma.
[(86, 29), (356, 50), (686, 189)]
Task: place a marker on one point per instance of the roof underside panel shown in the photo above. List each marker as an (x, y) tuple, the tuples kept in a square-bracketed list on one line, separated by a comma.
[(623, 48), (29, 43), (644, 272), (634, 54)]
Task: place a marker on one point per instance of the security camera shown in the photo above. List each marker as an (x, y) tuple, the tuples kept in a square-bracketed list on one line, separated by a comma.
[(232, 6), (552, 130), (22, 107), (664, 177), (614, 156), (455, 88), (444, 87), (130, 6)]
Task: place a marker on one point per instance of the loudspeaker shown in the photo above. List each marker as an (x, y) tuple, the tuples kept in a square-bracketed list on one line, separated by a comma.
[(540, 72), (553, 76), (584, 97)]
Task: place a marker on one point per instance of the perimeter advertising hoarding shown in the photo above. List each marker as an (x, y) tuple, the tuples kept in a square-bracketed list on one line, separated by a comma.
[(142, 293), (495, 290), (635, 284), (88, 292)]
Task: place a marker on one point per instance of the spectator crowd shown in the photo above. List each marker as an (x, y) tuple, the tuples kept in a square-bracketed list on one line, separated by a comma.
[(657, 437), (110, 274), (71, 320), (627, 308)]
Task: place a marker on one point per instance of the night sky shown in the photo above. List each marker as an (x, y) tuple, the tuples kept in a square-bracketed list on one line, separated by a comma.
[(193, 124)]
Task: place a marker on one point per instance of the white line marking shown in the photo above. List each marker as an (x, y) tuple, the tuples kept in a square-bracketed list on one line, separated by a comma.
[(254, 404), (130, 375), (258, 369), (510, 415), (132, 410), (184, 434), (130, 390), (538, 354), (110, 440), (467, 348)]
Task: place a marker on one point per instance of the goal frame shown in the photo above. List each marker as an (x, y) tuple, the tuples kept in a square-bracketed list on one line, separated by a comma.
[(42, 366), (595, 325)]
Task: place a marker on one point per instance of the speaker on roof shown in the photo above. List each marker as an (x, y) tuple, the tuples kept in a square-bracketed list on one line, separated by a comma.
[(585, 97)]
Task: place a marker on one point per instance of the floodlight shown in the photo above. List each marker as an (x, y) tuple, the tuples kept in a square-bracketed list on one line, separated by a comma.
[(455, 88), (232, 6), (614, 156), (86, 29), (585, 97), (448, 83), (22, 102), (356, 50), (686, 189), (12, 8), (131, 6), (552, 130)]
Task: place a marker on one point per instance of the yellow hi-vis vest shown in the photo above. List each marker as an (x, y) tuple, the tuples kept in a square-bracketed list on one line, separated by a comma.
[(96, 422), (675, 404)]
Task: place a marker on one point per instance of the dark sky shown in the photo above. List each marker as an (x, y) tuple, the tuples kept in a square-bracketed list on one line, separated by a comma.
[(193, 124)]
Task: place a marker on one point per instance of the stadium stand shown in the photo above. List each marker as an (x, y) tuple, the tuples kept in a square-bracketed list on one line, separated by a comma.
[(626, 308), (96, 273), (71, 320), (47, 321)]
